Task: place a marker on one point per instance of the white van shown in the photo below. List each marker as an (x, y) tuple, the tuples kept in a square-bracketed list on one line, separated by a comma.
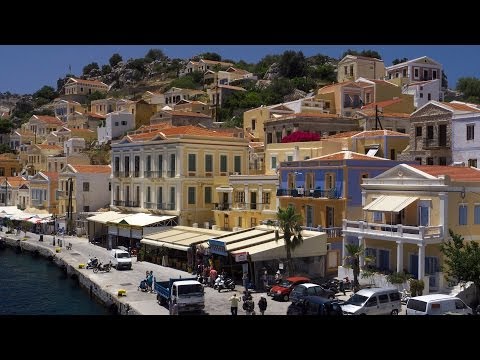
[(437, 304), (120, 259), (374, 301)]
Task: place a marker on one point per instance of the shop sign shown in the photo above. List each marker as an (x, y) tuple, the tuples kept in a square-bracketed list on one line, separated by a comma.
[(241, 257), (217, 247)]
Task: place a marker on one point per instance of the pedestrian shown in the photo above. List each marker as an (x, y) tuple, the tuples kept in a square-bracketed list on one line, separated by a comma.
[(150, 280), (262, 304), (245, 280), (213, 276), (265, 280), (249, 306), (234, 300)]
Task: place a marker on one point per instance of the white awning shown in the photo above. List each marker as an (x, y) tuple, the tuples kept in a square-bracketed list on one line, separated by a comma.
[(107, 216), (372, 152), (140, 219), (224, 189), (161, 243), (390, 203)]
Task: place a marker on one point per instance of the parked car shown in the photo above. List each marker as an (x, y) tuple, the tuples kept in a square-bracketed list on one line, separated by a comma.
[(310, 289), (315, 305), (437, 304), (282, 291)]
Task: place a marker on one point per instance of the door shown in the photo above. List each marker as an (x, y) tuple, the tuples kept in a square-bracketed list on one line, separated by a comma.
[(309, 216), (253, 200), (383, 259), (226, 225), (414, 265), (372, 306), (330, 220), (225, 201), (442, 135)]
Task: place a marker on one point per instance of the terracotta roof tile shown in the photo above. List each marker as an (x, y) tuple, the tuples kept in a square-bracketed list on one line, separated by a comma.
[(371, 112), (307, 114), (193, 130), (93, 169), (221, 63), (53, 175), (91, 82), (456, 173), (460, 107), (186, 113), (95, 115), (231, 87), (381, 103), (342, 135), (16, 181), (373, 133), (49, 147)]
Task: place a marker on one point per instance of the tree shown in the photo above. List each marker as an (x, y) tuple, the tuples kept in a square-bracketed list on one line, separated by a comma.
[(289, 223), (399, 61), (262, 66), (5, 126), (210, 56), (292, 64), (461, 259), (115, 59), (469, 86), (366, 53), (106, 69), (353, 259), (88, 68), (4, 148), (96, 95), (154, 54)]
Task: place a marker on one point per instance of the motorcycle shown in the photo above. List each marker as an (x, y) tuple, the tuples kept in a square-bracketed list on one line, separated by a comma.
[(405, 296), (92, 263), (345, 285), (102, 267), (225, 283)]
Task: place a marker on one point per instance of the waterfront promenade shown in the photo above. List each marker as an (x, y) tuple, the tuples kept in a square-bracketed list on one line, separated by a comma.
[(106, 285)]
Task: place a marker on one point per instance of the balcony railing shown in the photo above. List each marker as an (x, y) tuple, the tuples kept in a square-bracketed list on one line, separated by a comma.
[(171, 173), (126, 203), (122, 174), (153, 174), (434, 143), (314, 193), (250, 206), (332, 232), (398, 232), (222, 206), (136, 174)]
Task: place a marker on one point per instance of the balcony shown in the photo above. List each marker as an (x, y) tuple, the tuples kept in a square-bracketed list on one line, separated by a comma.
[(311, 193), (122, 174), (222, 206), (171, 173), (153, 174), (250, 206), (136, 174), (37, 203), (434, 143), (332, 232), (404, 233)]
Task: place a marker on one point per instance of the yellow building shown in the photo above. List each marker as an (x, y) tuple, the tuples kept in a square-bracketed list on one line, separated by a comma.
[(244, 201), (141, 110), (43, 192), (85, 121), (170, 171), (193, 106), (9, 165), (407, 212), (75, 86), (254, 120), (352, 67), (37, 156)]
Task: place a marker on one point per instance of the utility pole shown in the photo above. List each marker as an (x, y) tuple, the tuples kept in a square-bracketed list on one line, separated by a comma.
[(69, 205)]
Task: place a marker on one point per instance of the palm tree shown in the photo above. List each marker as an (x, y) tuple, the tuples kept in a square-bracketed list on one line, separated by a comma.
[(290, 224), (353, 257)]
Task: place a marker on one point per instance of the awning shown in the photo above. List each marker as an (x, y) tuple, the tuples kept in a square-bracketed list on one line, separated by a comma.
[(107, 216), (161, 243), (140, 219), (224, 189), (390, 203)]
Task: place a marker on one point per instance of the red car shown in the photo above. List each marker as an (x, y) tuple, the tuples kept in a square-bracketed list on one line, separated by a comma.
[(282, 291)]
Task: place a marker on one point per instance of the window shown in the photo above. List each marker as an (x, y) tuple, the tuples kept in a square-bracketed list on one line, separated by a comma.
[(208, 163), (124, 122), (423, 215), (278, 135), (237, 164), (127, 165), (430, 132), (377, 216), (367, 100), (418, 131), (418, 160), (397, 74), (253, 124), (472, 162), (191, 195), (415, 73), (371, 302), (421, 95), (429, 160), (266, 198), (476, 212), (274, 162), (239, 196), (223, 163), (2, 171), (394, 296), (86, 208), (86, 186), (116, 123), (208, 195), (269, 138), (289, 158), (470, 131), (351, 70), (346, 70), (149, 194), (404, 72), (462, 214), (393, 156), (160, 165), (149, 163), (442, 160), (434, 74), (429, 96), (239, 222), (383, 298), (136, 163), (192, 162), (329, 181), (362, 177)]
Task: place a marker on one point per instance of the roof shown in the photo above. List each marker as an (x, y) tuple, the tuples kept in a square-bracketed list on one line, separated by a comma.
[(456, 173), (92, 169), (360, 57), (186, 113), (222, 63), (345, 134), (140, 219), (461, 107), (346, 155), (52, 175), (95, 115), (307, 114), (374, 133), (103, 218), (49, 147), (16, 181), (371, 112), (231, 87), (49, 119), (390, 203), (88, 82), (381, 103), (193, 130), (434, 297)]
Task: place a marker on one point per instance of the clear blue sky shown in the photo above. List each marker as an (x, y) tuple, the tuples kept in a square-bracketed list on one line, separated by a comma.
[(26, 68)]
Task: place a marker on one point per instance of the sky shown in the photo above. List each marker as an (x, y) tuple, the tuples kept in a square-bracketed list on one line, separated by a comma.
[(24, 69)]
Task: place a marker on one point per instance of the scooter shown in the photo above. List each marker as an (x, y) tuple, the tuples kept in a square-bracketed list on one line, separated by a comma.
[(226, 283), (102, 267), (92, 263)]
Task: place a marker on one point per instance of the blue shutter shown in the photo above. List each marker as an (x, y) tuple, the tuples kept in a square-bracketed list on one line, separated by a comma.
[(477, 214), (462, 215)]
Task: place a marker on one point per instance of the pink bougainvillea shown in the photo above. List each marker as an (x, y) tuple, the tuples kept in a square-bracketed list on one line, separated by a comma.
[(300, 136)]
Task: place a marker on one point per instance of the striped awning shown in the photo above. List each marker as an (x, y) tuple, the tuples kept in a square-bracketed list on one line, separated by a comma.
[(390, 203)]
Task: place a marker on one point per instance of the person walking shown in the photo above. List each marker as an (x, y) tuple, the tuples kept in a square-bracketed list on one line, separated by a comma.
[(234, 300), (262, 304), (245, 280)]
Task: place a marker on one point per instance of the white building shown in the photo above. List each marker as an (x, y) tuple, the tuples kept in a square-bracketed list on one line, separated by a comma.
[(423, 91), (73, 146), (465, 137), (420, 69), (116, 125), (91, 189)]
